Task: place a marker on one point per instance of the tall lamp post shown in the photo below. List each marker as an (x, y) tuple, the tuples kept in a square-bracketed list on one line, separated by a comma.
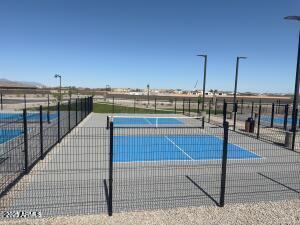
[(148, 87), (204, 80), (296, 92), (236, 79), (235, 89), (59, 76)]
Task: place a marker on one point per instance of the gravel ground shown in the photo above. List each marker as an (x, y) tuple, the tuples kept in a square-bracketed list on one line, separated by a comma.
[(283, 213)]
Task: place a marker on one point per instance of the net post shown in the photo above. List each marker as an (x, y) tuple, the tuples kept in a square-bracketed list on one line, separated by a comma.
[(209, 109), (286, 114), (189, 107), (252, 109), (272, 114), (155, 105), (41, 133), (58, 122), (183, 106), (111, 135), (25, 141), (258, 122), (76, 110), (224, 111), (48, 109), (1, 101), (175, 106), (235, 106), (224, 165), (69, 114)]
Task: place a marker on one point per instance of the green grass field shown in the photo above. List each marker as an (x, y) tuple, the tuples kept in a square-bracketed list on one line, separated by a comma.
[(109, 108)]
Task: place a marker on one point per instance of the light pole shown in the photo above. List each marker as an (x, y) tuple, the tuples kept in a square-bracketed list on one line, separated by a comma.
[(236, 79), (204, 80), (59, 76), (148, 87), (296, 92), (234, 107)]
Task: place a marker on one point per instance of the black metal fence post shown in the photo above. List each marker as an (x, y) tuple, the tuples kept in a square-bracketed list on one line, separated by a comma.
[(286, 114), (58, 122), (272, 114), (252, 109), (294, 130), (224, 165), (182, 106), (198, 106), (81, 110), (41, 133), (216, 104), (209, 109), (48, 109), (76, 111), (25, 141), (224, 112), (85, 107), (189, 107), (235, 106), (111, 149), (1, 101), (258, 122), (113, 105), (69, 115)]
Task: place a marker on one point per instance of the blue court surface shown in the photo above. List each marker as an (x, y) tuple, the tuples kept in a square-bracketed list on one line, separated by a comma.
[(6, 134), (145, 121), (31, 117), (277, 120), (171, 147)]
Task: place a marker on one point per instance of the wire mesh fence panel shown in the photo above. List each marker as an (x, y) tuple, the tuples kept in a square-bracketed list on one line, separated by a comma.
[(156, 168), (26, 137), (69, 181), (270, 172)]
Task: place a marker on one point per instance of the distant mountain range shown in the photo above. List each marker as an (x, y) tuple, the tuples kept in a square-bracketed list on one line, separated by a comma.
[(20, 84)]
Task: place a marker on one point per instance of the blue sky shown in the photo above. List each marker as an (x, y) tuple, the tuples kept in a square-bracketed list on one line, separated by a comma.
[(134, 42)]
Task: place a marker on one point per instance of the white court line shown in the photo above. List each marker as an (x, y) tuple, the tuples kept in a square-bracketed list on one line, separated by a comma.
[(147, 121), (179, 148)]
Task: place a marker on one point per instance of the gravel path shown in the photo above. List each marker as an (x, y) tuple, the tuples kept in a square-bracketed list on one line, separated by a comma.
[(284, 213)]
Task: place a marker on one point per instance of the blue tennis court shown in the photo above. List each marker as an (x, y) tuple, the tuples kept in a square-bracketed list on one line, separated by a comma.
[(6, 134), (277, 120), (31, 117), (146, 121), (171, 147)]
